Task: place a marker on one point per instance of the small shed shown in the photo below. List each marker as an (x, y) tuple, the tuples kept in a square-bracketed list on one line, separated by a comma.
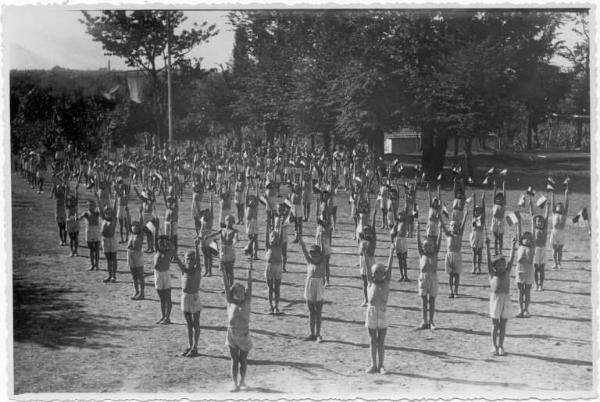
[(406, 140)]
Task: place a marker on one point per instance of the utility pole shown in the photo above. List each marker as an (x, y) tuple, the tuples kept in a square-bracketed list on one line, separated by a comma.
[(169, 94)]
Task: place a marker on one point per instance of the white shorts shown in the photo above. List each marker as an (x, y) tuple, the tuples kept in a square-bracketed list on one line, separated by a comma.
[(428, 284), (162, 280), (401, 245), (251, 227), (476, 239), (298, 211), (190, 302), (500, 306), (539, 255), (239, 338), (314, 289), (557, 237), (376, 318), (109, 244), (453, 262), (274, 271), (122, 212), (497, 225)]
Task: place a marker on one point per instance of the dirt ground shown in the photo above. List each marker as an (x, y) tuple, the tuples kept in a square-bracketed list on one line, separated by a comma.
[(75, 334)]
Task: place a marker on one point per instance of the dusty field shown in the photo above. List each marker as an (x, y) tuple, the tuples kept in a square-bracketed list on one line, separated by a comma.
[(73, 333)]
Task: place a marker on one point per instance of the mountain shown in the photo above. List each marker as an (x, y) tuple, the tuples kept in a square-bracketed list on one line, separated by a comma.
[(21, 58)]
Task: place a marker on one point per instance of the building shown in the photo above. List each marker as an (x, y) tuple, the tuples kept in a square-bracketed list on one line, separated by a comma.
[(403, 141)]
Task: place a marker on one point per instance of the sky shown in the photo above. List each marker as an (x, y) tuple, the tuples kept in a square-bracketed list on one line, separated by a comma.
[(41, 37)]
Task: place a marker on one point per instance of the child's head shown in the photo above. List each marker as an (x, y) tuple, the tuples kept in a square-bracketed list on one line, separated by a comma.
[(315, 253), (252, 201), (435, 203), (136, 227), (274, 238), (282, 209), (378, 272), (393, 194), (238, 293), (401, 216), (109, 214), (429, 246), (499, 264), (324, 219), (163, 244), (171, 202), (454, 227), (297, 188), (91, 205), (559, 208), (478, 211), (526, 239), (229, 221), (539, 222), (499, 199), (459, 193), (190, 259)]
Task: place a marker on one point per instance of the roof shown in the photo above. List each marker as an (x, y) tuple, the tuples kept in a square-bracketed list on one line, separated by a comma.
[(405, 132)]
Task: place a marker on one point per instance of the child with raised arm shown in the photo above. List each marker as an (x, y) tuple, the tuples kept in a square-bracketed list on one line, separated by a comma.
[(252, 223), (500, 305), (498, 211), (314, 288), (428, 279), (540, 236), (238, 197), (398, 235), (435, 213), (228, 236), (238, 327), (147, 215), (366, 253), (73, 221), (135, 260), (59, 193), (197, 207), (454, 236), (557, 235), (525, 273), (379, 278), (323, 240), (92, 233), (109, 241), (191, 274), (282, 225), (123, 210), (477, 237), (162, 276), (171, 215), (206, 224), (458, 205), (273, 270), (224, 202)]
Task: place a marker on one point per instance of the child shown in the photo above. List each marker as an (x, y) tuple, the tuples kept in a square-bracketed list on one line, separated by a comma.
[(228, 236), (428, 280), (73, 222), (238, 328), (225, 202), (540, 236), (147, 215), (171, 217), (92, 233), (458, 205), (398, 236), (525, 272), (238, 198), (197, 207), (162, 277), (557, 236), (499, 271), (392, 208), (434, 215), (296, 200), (453, 255), (59, 192), (190, 297), (252, 224), (410, 200), (109, 242), (378, 291), (323, 240), (206, 223), (135, 260), (383, 199), (314, 289), (273, 270), (306, 195), (366, 253), (476, 238), (123, 211), (498, 217)]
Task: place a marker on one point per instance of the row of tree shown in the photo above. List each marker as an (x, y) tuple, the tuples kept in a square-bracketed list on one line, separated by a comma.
[(348, 75)]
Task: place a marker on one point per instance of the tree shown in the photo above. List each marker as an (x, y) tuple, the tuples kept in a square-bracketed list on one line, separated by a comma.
[(140, 37)]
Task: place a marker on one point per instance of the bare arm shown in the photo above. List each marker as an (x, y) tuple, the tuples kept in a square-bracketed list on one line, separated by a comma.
[(388, 271), (226, 286), (489, 257), (249, 285), (464, 221), (419, 244), (567, 198), (512, 255), (304, 251)]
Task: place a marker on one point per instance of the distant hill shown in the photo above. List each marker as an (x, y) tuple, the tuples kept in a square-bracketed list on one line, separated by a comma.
[(20, 57)]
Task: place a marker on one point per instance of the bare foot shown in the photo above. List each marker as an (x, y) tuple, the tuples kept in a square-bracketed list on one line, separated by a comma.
[(371, 370)]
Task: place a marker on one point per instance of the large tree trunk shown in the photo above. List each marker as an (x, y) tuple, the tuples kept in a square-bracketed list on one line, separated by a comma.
[(469, 156), (427, 149), (530, 131), (439, 155)]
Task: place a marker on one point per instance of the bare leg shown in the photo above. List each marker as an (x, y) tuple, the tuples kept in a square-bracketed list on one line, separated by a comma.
[(431, 310), (243, 367), (235, 357), (381, 347), (373, 349), (495, 330), (424, 309)]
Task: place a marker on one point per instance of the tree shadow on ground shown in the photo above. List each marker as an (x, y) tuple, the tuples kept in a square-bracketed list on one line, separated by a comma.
[(454, 380), (47, 316)]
